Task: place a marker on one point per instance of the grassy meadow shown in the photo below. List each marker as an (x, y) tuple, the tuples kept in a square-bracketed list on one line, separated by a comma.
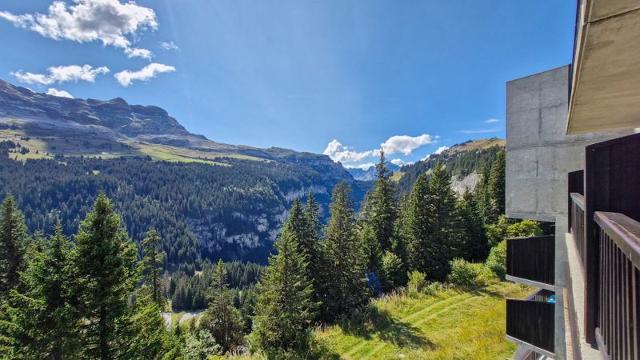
[(448, 324)]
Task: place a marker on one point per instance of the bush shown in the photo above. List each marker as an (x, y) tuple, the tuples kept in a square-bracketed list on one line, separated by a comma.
[(524, 228), (417, 282), (466, 274), (497, 260), (392, 268), (433, 288), (508, 228), (463, 273)]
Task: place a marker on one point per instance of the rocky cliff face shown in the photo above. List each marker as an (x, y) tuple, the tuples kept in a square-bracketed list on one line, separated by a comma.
[(115, 114)]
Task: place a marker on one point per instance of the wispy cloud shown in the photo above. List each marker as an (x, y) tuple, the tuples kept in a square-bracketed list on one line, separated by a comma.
[(169, 45), (107, 21), (126, 77), (60, 74), (59, 93), (491, 121)]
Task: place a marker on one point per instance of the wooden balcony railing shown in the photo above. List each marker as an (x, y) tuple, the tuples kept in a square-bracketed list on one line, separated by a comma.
[(532, 322), (578, 225), (532, 261), (618, 286)]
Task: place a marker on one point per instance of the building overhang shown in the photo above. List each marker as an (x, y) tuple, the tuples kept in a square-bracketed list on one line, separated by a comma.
[(605, 89)]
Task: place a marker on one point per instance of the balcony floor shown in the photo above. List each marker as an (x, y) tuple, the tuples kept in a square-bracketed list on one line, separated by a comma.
[(576, 281)]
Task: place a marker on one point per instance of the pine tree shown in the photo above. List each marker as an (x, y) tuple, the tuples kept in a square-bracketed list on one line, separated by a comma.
[(379, 210), (433, 226), (222, 319), (482, 194), (149, 337), (345, 288), (105, 263), (312, 214), (310, 246), (45, 323), (285, 308), (496, 187), (474, 246), (152, 265), (371, 248), (13, 243)]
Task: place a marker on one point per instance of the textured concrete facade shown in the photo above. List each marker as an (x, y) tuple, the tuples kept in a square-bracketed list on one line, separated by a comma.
[(539, 153), (539, 157)]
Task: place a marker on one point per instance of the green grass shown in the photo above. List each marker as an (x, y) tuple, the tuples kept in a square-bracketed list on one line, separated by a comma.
[(452, 324)]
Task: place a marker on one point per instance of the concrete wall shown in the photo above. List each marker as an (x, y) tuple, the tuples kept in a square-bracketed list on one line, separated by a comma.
[(539, 153), (539, 156)]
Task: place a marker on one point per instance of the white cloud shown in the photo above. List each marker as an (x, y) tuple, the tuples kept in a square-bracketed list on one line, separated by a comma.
[(338, 152), (169, 45), (59, 93), (138, 52), (405, 144), (402, 144), (60, 74), (398, 162), (107, 21), (491, 121), (148, 72), (440, 150)]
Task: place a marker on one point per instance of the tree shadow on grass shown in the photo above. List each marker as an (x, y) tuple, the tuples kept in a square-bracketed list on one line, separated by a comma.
[(370, 321)]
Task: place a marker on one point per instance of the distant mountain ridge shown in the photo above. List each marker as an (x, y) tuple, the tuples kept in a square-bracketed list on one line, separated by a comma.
[(369, 174), (208, 200)]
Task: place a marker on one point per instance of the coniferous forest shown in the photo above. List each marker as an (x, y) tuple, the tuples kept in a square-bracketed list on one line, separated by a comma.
[(97, 294)]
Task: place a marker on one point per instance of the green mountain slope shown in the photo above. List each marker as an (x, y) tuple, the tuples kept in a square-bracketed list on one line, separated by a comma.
[(464, 162), (208, 200)]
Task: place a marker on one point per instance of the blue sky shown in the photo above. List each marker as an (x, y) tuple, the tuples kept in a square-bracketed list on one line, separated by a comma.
[(337, 76)]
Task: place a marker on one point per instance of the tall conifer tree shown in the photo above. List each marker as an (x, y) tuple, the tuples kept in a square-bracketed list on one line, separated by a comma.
[(285, 308), (13, 243), (152, 262), (222, 319), (496, 187), (44, 319), (433, 225), (345, 288), (105, 262), (474, 246), (380, 209)]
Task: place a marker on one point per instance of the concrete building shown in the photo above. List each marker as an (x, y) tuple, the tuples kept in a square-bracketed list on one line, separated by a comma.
[(572, 161)]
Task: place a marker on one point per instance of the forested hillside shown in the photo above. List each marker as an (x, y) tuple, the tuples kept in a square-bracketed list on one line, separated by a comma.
[(206, 199), (464, 162), (232, 210)]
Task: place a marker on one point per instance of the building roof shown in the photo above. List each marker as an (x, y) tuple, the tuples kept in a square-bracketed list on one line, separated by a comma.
[(606, 67)]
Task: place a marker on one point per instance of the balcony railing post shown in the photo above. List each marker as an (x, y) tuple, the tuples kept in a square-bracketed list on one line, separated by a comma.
[(617, 324)]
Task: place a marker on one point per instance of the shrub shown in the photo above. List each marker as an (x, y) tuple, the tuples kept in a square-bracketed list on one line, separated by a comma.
[(433, 288), (497, 260), (466, 274), (524, 228), (392, 269), (508, 228), (417, 282), (463, 273)]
